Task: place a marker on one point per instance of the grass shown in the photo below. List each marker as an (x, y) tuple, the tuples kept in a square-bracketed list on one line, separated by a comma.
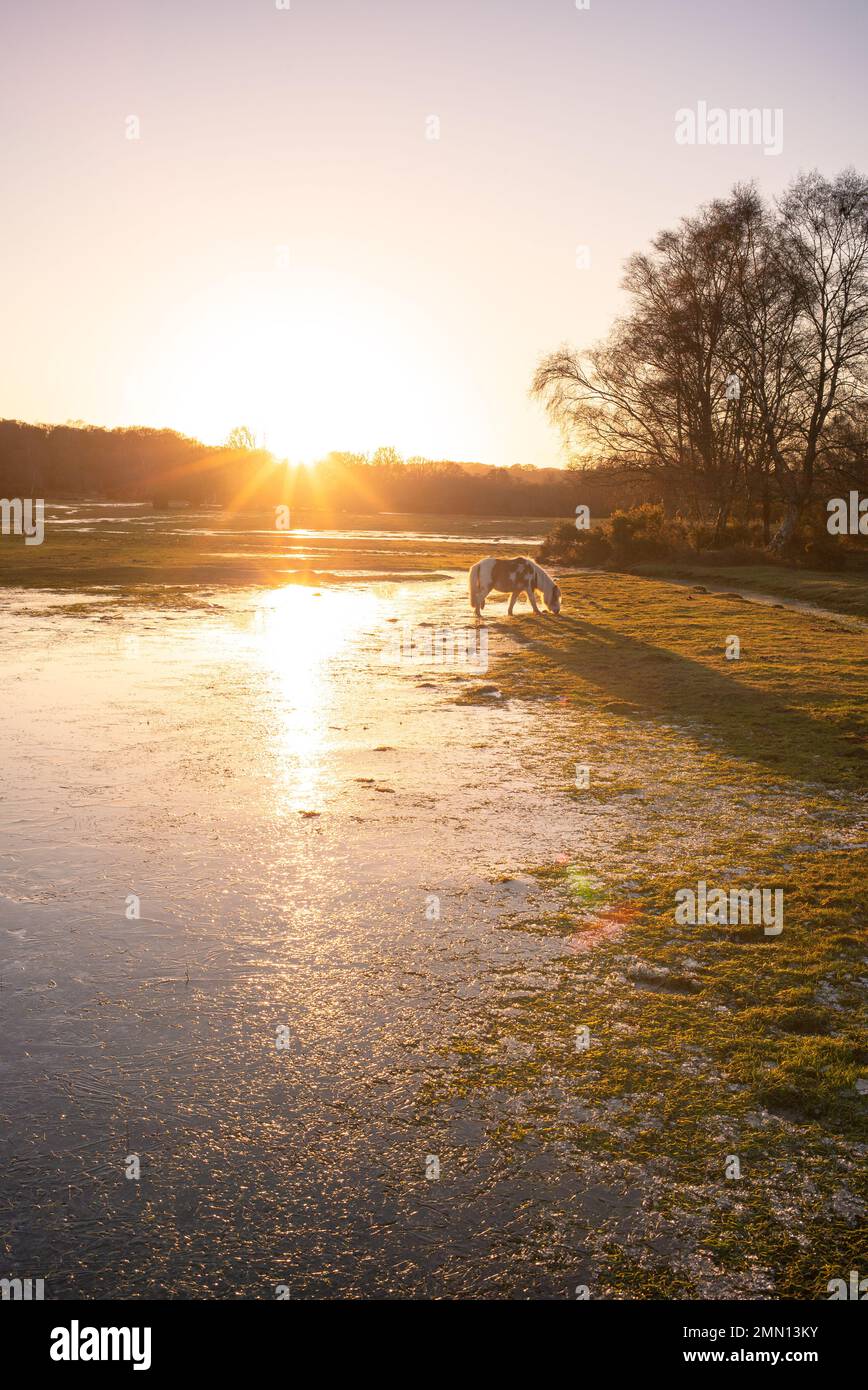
[(841, 593), (711, 1041)]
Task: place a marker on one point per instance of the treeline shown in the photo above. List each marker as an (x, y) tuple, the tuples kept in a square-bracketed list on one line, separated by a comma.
[(165, 468), (738, 377)]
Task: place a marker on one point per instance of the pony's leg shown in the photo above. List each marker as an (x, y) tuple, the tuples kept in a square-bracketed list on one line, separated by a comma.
[(477, 598), (532, 596), (512, 600)]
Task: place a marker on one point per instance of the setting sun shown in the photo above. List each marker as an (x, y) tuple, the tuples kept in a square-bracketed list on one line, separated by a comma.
[(310, 360)]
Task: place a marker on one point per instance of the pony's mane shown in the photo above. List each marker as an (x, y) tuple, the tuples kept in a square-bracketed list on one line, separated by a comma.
[(548, 583)]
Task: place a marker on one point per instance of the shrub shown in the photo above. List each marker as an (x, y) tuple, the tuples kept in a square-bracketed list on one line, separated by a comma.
[(570, 546), (816, 549), (644, 534), (627, 537)]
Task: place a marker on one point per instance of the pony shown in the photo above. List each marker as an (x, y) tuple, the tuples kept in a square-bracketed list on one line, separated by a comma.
[(515, 577)]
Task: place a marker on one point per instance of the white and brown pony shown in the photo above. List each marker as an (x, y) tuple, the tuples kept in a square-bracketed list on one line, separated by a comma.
[(515, 577)]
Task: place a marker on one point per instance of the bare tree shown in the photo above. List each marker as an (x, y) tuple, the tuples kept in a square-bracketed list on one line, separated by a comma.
[(745, 339), (844, 459), (803, 324), (664, 392)]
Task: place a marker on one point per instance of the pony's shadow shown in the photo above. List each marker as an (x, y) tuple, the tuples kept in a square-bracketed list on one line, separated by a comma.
[(653, 682)]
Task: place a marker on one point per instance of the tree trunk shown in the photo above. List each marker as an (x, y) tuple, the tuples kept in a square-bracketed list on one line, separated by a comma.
[(789, 522), (720, 524), (767, 514)]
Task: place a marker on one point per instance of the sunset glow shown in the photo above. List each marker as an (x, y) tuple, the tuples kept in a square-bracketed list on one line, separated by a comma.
[(317, 362), (433, 601), (350, 226)]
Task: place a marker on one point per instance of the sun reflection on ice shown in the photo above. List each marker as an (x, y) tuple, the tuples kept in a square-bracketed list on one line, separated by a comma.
[(304, 639)]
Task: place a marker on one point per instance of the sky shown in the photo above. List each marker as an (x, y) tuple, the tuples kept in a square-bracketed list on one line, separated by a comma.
[(353, 223)]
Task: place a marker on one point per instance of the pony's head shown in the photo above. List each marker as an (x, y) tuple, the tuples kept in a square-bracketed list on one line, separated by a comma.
[(553, 600)]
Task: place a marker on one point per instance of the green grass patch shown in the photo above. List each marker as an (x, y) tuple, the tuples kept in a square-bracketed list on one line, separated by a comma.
[(711, 1040)]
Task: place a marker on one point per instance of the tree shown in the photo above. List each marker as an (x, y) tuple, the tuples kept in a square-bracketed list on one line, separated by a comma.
[(241, 437), (744, 340), (845, 456), (663, 393), (803, 325)]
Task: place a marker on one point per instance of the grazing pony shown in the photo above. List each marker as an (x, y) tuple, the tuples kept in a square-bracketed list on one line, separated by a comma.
[(515, 577)]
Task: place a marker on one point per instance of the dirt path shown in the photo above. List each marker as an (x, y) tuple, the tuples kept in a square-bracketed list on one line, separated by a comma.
[(794, 605)]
